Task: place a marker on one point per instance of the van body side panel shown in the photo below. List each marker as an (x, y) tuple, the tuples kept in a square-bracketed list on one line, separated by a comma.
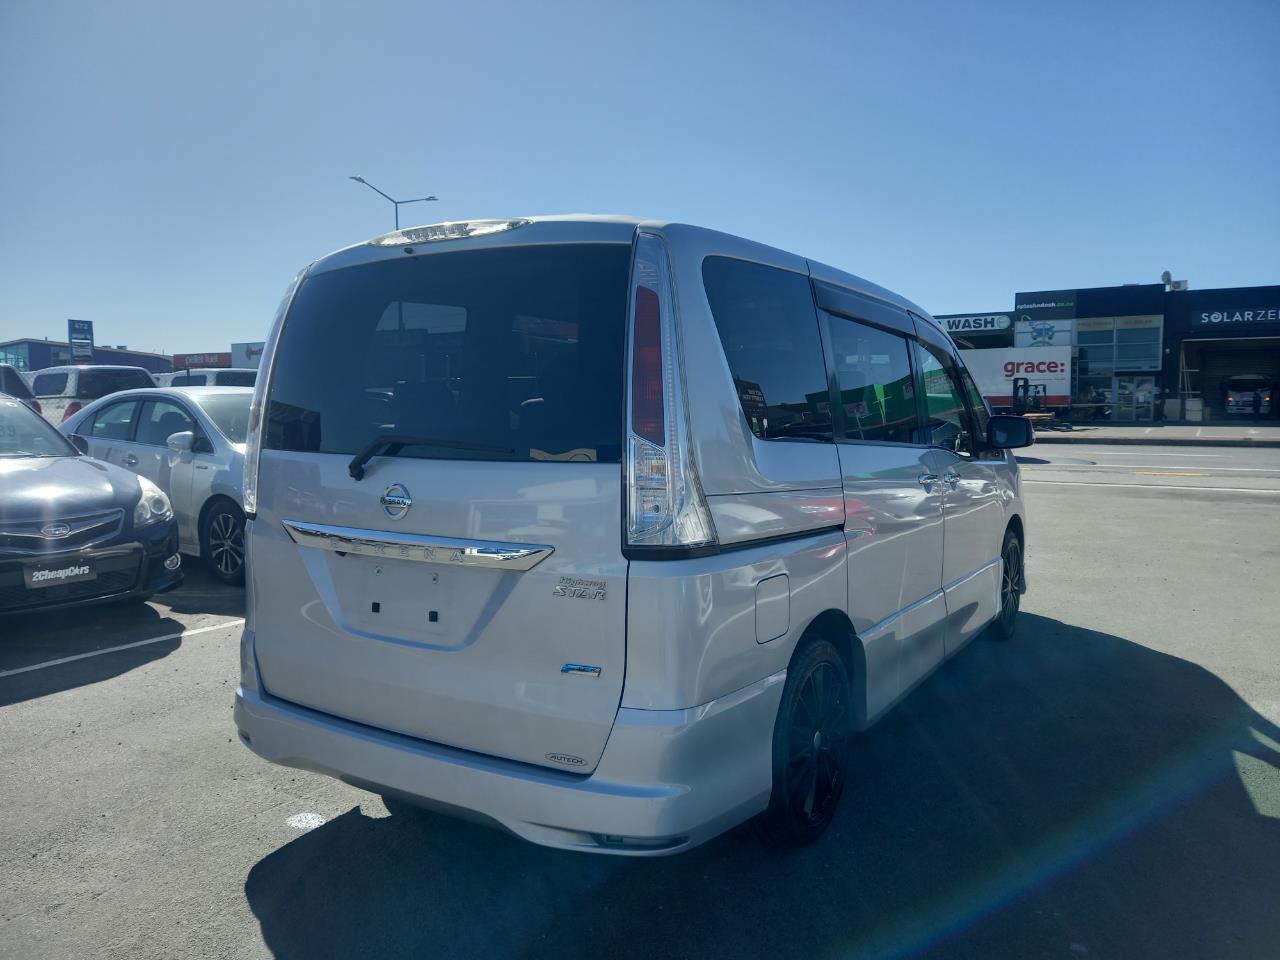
[(691, 624), (743, 517), (973, 507), (894, 529)]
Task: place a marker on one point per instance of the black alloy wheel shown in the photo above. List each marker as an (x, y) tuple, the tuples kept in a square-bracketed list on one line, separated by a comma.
[(810, 747), (1010, 586)]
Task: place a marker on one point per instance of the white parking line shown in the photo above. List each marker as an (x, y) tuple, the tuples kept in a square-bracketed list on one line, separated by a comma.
[(1076, 467), (1153, 486), (1129, 453), (124, 646)]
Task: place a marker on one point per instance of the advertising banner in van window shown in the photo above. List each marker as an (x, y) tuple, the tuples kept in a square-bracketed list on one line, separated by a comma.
[(995, 370), (80, 337), (247, 355)]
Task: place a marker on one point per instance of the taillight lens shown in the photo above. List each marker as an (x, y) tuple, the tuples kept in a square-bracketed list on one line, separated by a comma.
[(72, 409), (257, 408), (665, 504), (646, 368)]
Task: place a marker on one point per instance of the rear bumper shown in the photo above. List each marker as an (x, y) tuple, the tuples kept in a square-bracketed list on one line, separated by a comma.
[(667, 781)]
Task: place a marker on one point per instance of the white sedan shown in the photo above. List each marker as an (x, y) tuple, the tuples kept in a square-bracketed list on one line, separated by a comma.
[(189, 441)]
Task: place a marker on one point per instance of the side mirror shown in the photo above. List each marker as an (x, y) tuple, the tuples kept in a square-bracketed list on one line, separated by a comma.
[(79, 442), (181, 442), (1008, 433)]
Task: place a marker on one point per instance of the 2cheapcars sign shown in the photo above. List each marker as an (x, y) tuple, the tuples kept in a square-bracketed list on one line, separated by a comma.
[(994, 372)]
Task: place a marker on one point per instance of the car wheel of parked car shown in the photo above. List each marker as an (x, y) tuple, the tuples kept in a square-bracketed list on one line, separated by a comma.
[(222, 542), (810, 747), (1010, 587)]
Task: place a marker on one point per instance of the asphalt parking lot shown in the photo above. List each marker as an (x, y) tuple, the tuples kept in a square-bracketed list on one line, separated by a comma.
[(1107, 785)]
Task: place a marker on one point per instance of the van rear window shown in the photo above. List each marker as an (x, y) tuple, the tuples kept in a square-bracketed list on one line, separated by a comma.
[(49, 384), (98, 383), (514, 353)]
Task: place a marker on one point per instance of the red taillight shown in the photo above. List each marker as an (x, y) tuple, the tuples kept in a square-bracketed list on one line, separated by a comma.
[(647, 419), (72, 408)]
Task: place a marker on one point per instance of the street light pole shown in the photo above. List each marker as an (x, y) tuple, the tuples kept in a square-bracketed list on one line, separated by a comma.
[(394, 202)]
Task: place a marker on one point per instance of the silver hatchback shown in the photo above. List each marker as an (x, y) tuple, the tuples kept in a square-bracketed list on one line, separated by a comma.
[(609, 532), (189, 441)]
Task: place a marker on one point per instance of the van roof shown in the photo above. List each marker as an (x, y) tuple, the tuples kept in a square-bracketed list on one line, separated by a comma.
[(67, 367), (590, 228)]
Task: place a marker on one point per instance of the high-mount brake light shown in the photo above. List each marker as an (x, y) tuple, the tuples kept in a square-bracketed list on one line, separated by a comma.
[(452, 230), (665, 505)]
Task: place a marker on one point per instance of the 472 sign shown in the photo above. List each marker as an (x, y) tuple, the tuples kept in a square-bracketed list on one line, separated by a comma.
[(80, 337)]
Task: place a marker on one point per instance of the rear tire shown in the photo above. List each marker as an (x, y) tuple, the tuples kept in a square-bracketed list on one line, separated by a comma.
[(1010, 587), (222, 542), (810, 748)]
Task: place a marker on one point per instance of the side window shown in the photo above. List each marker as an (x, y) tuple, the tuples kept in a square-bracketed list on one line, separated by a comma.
[(947, 421), (160, 420), (49, 385), (769, 330), (114, 422), (877, 391)]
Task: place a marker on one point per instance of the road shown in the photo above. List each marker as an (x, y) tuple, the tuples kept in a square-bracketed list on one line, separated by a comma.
[(1106, 785)]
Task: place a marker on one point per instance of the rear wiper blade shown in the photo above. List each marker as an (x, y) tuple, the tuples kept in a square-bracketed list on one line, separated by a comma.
[(393, 443)]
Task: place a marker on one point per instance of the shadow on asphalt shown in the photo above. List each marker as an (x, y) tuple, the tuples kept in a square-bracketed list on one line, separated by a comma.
[(1069, 794), (202, 593), (39, 637)]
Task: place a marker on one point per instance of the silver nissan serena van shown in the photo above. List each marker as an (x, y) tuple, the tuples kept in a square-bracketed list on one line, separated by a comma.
[(609, 532)]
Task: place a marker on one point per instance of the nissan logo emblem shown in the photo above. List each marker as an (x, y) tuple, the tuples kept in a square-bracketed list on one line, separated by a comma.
[(396, 501)]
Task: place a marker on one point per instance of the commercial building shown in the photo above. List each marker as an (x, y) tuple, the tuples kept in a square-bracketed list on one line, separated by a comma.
[(1136, 352), (32, 354)]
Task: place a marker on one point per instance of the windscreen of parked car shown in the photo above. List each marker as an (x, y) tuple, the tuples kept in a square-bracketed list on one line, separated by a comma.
[(26, 434), (11, 382), (98, 383), (235, 378), (513, 353), (229, 413), (1247, 384)]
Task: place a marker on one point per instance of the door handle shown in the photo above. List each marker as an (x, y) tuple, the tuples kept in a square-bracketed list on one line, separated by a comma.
[(927, 480), (952, 478), (131, 461)]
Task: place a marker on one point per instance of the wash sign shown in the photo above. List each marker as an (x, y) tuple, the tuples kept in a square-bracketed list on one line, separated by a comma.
[(995, 370), (985, 323)]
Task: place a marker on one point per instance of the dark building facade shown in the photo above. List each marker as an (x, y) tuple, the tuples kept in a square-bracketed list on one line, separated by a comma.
[(31, 354), (1144, 352)]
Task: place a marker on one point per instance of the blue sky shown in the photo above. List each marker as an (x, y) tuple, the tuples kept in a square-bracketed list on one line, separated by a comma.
[(165, 168)]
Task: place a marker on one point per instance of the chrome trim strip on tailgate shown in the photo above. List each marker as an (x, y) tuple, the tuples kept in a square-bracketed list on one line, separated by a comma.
[(493, 554)]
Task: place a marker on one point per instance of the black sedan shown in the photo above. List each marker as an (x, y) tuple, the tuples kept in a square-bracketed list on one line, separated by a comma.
[(73, 529)]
